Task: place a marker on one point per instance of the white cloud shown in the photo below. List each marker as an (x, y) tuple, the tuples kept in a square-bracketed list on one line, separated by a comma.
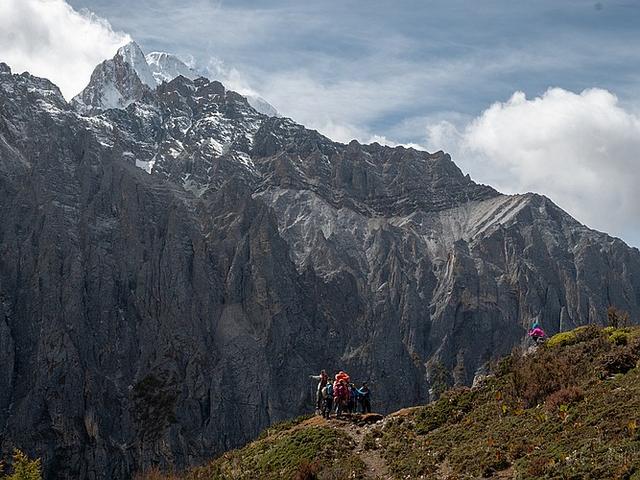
[(342, 109), (581, 150), (230, 77), (334, 110), (49, 39)]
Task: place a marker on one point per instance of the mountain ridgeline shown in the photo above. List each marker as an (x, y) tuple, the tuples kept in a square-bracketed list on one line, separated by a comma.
[(174, 264)]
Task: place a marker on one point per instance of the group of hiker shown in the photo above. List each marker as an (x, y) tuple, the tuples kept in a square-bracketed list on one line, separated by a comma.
[(340, 395)]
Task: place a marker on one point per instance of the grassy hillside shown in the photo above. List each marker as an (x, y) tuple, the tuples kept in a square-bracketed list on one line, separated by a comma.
[(569, 410)]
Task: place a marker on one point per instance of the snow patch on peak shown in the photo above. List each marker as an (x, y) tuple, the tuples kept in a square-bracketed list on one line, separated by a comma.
[(262, 106), (166, 66), (107, 87), (114, 84), (146, 166), (132, 54)]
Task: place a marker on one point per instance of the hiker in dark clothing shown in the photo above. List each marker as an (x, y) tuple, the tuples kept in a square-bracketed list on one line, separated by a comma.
[(364, 395), (353, 398), (323, 378), (327, 400)]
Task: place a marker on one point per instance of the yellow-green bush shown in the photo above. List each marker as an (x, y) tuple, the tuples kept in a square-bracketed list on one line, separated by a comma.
[(23, 468), (580, 334), (619, 337)]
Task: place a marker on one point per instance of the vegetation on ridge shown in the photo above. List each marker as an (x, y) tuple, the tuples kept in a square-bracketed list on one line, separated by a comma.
[(568, 410), (298, 447), (23, 468)]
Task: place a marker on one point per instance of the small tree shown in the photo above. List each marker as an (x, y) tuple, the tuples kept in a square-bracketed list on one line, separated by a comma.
[(438, 379), (617, 318), (459, 371), (23, 468)]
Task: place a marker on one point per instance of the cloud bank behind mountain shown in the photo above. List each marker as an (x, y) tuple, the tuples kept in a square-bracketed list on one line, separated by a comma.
[(580, 149), (50, 39)]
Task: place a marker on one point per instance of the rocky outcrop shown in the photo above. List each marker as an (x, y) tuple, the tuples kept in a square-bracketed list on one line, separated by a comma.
[(116, 83), (172, 272)]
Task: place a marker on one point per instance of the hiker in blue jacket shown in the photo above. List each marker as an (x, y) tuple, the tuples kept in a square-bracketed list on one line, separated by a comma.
[(353, 398), (364, 396)]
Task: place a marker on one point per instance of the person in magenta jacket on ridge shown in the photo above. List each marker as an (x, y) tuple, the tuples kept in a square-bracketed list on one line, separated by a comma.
[(537, 334)]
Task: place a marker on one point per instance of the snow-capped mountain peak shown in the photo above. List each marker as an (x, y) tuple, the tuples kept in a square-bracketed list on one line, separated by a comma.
[(132, 54), (166, 66), (116, 83), (124, 79)]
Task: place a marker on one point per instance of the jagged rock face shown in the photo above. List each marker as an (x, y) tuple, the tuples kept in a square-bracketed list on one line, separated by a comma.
[(116, 83), (172, 272)]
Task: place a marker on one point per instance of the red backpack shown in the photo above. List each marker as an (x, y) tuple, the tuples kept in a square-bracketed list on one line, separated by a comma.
[(340, 391)]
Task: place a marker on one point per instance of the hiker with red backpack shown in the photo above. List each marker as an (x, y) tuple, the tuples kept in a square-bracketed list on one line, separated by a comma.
[(340, 396), (341, 392)]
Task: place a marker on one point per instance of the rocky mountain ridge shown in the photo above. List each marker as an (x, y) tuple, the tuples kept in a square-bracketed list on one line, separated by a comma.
[(120, 81), (172, 271), (165, 67)]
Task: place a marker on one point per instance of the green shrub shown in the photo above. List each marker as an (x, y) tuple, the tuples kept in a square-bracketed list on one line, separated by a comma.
[(23, 468), (288, 454), (619, 337), (451, 406), (283, 426), (369, 440), (580, 334), (561, 339)]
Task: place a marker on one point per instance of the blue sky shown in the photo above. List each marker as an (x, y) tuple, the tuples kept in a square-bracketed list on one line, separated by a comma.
[(448, 56), (482, 79)]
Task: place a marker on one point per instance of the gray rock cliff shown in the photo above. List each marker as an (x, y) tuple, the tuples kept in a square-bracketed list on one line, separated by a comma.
[(172, 271)]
